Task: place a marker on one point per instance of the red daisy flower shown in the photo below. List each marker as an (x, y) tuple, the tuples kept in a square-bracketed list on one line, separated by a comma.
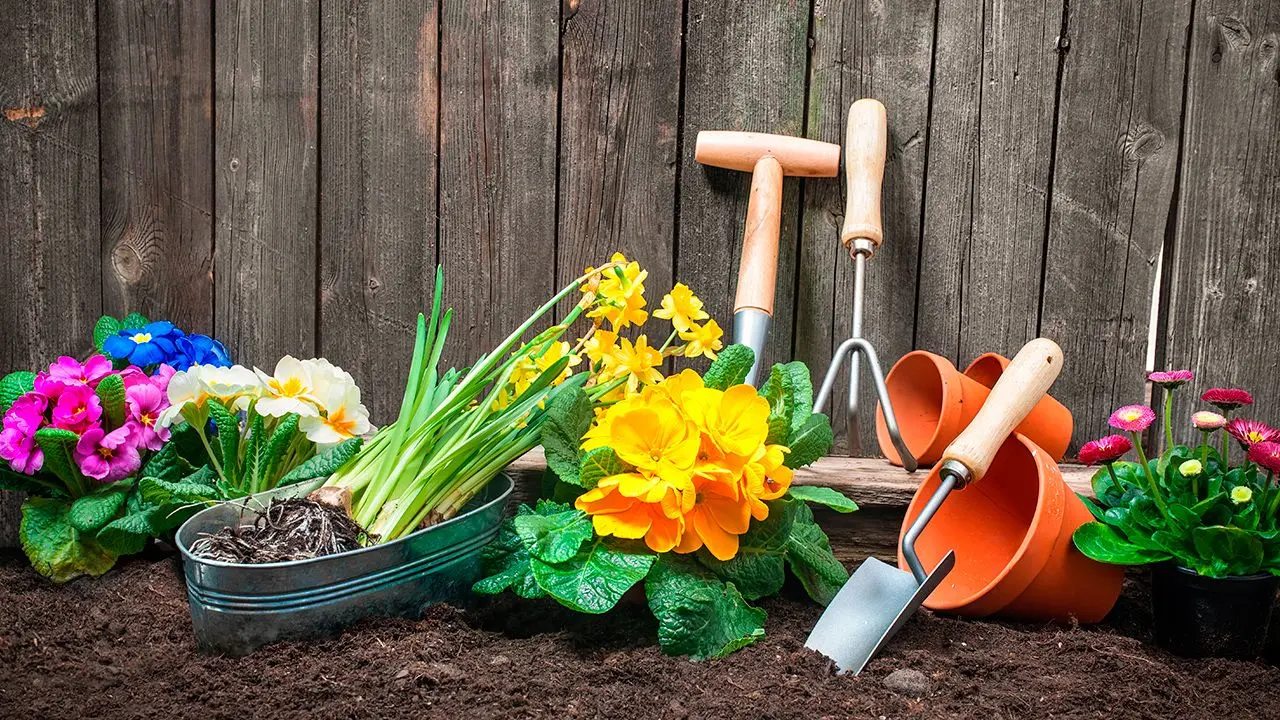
[(1227, 399), (1251, 432), (1105, 450), (1132, 418), (1170, 379), (1266, 454)]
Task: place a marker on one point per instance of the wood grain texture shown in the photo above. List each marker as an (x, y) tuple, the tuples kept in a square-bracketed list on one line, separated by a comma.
[(155, 64), (990, 146), (619, 112), (883, 51), (1119, 120), (377, 238), (1226, 253), (499, 82), (266, 83), (745, 67), (50, 277)]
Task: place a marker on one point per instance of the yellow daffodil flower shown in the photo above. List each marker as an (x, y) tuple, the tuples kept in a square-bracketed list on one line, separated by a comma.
[(638, 362), (682, 308), (702, 340)]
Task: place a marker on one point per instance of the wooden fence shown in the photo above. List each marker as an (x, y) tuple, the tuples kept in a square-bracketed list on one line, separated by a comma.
[(287, 174)]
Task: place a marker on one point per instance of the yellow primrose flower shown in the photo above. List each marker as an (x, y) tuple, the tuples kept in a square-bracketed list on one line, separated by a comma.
[(682, 308), (638, 362), (661, 524), (653, 435), (290, 390), (736, 420), (1241, 494), (702, 340)]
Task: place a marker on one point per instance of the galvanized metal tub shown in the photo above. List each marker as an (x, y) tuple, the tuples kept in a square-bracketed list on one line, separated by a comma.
[(236, 609)]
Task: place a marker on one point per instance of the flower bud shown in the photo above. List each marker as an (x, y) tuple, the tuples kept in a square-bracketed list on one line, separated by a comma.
[(1241, 494), (1191, 468)]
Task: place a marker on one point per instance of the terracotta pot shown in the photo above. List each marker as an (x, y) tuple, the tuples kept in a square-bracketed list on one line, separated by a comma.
[(1049, 424), (1011, 532), (932, 401)]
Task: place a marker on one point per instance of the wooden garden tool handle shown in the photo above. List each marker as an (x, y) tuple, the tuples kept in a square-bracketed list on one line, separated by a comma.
[(865, 139), (1022, 385), (758, 271)]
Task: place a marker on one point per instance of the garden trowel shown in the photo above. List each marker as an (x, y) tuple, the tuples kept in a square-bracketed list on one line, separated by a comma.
[(768, 158), (879, 598)]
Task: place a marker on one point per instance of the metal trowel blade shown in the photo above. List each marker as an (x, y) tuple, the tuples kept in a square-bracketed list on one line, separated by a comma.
[(873, 605)]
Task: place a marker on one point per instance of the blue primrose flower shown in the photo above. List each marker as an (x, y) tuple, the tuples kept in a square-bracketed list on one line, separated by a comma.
[(151, 344), (199, 350)]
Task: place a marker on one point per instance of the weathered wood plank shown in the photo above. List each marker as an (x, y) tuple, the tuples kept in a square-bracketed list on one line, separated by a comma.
[(266, 82), (155, 65), (50, 255), (1119, 120), (619, 111), (745, 69), (990, 146), (379, 108), (864, 49), (1226, 254), (499, 83)]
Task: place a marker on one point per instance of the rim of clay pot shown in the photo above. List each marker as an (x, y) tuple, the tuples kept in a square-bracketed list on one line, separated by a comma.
[(1020, 569), (949, 411)]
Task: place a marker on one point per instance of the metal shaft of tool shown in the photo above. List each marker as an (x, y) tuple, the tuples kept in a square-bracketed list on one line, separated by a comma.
[(953, 474), (852, 419), (854, 346), (751, 328)]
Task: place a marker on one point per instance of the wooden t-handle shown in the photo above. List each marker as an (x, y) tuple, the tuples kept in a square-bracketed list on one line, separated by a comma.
[(1022, 385), (864, 149), (758, 271)]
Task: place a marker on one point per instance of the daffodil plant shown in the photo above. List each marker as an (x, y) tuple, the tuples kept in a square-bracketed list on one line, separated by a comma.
[(1189, 505), (684, 484)]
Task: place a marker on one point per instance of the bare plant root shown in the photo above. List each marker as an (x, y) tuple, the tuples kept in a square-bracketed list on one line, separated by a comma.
[(290, 529)]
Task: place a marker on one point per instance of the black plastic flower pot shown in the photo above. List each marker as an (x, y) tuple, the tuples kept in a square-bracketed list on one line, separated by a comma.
[(1199, 616)]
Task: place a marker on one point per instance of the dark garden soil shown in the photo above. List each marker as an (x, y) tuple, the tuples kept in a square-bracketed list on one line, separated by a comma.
[(121, 647)]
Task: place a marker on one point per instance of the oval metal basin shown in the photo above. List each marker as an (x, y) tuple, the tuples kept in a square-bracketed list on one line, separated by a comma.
[(236, 609)]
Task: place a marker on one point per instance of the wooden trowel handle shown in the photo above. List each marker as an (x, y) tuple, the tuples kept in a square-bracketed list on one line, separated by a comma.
[(1022, 385), (864, 150), (758, 271)]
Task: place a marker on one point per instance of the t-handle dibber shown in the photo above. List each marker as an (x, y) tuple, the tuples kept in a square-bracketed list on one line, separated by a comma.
[(769, 158)]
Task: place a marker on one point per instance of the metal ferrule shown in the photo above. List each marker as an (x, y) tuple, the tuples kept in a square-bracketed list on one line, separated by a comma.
[(750, 328)]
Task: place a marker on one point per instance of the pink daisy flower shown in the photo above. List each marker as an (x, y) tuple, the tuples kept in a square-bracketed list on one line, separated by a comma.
[(1170, 379), (1105, 450), (1251, 432), (1132, 418), (1266, 454), (1207, 420), (1227, 399)]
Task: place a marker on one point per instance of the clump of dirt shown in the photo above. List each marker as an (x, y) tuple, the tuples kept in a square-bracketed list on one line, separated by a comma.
[(121, 647), (289, 529)]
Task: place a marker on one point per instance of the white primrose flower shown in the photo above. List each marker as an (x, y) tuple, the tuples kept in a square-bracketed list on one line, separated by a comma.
[(344, 416), (184, 389), (290, 390)]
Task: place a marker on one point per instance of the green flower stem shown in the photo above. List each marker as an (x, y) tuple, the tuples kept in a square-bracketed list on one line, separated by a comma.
[(1151, 479), (1204, 448), (1275, 501), (1111, 470), (667, 344), (1168, 413), (1225, 447), (213, 459)]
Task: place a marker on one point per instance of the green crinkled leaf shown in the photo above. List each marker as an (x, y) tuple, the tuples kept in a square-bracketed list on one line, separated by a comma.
[(110, 392), (1227, 551), (253, 469), (13, 386), (56, 549), (228, 440), (823, 496), (165, 464), (554, 538), (698, 615), (272, 452), (759, 567), (729, 368), (186, 440), (809, 554), (58, 446), (323, 464), (790, 394), (1103, 543), (598, 464), (133, 321), (89, 513), (505, 562), (568, 418), (39, 484), (595, 578), (810, 442), (129, 534), (155, 491), (103, 329)]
